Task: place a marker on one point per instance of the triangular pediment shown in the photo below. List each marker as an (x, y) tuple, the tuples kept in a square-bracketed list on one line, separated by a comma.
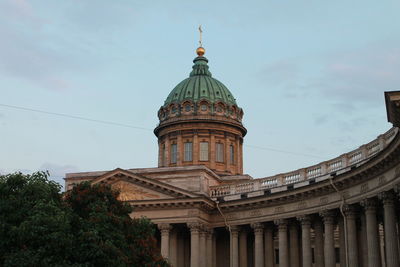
[(135, 187), (130, 191)]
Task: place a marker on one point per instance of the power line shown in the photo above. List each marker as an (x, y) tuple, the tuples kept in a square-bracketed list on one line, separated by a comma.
[(139, 128), (76, 117)]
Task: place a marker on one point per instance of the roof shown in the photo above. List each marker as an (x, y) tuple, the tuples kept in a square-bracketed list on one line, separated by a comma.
[(200, 86)]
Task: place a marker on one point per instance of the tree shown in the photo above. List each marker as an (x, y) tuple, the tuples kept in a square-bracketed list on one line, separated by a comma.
[(108, 236), (87, 226)]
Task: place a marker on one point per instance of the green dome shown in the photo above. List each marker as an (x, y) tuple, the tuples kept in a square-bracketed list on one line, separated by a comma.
[(200, 86)]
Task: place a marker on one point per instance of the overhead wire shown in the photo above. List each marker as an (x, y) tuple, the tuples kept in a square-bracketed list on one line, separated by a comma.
[(136, 127)]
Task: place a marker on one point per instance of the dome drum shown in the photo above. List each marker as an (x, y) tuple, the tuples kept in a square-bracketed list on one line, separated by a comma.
[(202, 107)]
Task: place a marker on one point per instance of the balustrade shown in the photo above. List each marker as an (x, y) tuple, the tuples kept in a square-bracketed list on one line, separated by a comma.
[(354, 157)]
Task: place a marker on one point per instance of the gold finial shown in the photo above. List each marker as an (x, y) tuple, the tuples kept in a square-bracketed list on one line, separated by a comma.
[(200, 51)]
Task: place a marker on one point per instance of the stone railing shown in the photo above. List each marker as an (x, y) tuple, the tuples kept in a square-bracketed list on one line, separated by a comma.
[(313, 173)]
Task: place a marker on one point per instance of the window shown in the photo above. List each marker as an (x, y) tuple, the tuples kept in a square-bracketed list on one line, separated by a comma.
[(188, 108), (220, 152), (203, 151), (163, 156), (203, 107), (174, 153), (188, 151), (231, 154)]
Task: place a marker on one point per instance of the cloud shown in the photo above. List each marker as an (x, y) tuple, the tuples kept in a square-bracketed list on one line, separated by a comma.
[(360, 76), (345, 79)]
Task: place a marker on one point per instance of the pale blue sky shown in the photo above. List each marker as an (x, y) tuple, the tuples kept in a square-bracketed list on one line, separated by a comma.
[(310, 76)]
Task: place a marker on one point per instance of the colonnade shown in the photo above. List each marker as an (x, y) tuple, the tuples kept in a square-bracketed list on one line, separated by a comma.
[(302, 241)]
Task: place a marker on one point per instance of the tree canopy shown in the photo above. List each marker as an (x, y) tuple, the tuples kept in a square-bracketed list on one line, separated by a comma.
[(87, 226)]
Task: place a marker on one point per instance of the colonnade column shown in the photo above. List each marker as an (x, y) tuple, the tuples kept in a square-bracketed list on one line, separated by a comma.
[(243, 248), (258, 244), (269, 245), (209, 247), (283, 243), (342, 242), (234, 246), (306, 240), (374, 258), (389, 220), (194, 244), (328, 217), (352, 249), (202, 244), (294, 245), (173, 247), (319, 243), (165, 228)]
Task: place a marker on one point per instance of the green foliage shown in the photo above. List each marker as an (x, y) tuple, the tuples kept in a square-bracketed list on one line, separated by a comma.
[(87, 226)]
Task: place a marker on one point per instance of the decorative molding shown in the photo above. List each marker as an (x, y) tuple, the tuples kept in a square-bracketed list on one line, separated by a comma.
[(305, 220), (324, 200), (364, 188), (164, 228), (254, 213), (387, 197), (369, 204), (279, 209), (257, 227), (328, 216), (381, 180)]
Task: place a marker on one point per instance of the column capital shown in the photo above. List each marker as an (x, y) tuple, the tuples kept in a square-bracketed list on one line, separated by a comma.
[(282, 224), (235, 229), (350, 211), (164, 227), (328, 216), (387, 197), (257, 227), (396, 189), (305, 220), (369, 204), (195, 226)]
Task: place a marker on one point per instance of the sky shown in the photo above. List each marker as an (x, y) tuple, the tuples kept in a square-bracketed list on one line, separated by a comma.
[(309, 75)]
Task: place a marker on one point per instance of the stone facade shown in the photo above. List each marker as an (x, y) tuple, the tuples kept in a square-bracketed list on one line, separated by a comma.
[(341, 212)]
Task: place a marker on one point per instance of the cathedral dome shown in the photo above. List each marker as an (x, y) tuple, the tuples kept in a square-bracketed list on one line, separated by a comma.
[(200, 95), (200, 86)]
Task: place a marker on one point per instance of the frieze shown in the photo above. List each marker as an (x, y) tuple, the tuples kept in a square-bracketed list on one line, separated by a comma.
[(364, 188), (346, 194), (382, 179), (397, 172), (191, 213), (232, 216), (254, 213), (324, 200), (279, 209), (302, 205)]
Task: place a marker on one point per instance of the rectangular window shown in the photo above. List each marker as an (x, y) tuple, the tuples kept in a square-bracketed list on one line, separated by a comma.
[(203, 151), (220, 152), (163, 156), (231, 154), (174, 153), (188, 151)]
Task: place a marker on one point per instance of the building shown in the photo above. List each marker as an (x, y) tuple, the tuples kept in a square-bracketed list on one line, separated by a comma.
[(341, 212)]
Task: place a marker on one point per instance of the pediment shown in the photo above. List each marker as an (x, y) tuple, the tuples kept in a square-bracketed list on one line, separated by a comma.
[(134, 187), (130, 191)]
